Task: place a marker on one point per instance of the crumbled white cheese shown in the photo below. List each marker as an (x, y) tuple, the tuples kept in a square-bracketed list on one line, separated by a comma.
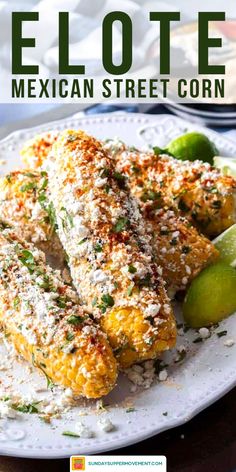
[(204, 333), (99, 182), (163, 375), (229, 342), (6, 411), (105, 424), (83, 430), (152, 309), (98, 277)]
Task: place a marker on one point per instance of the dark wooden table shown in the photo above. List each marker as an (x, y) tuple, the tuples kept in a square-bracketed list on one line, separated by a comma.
[(205, 444)]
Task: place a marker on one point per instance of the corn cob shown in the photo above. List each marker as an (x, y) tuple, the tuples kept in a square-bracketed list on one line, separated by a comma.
[(24, 205), (41, 318), (195, 190), (108, 250)]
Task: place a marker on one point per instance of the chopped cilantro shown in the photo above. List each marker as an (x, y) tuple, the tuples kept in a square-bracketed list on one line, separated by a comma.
[(135, 169), (45, 283), (16, 302), (94, 301), (120, 225), (9, 178), (107, 299), (105, 172), (222, 333), (70, 336), (68, 216), (29, 186), (50, 383), (158, 151), (42, 198), (27, 259), (132, 269), (97, 247), (75, 320), (145, 281), (82, 241), (130, 290), (50, 210), (150, 195), (70, 434), (29, 174), (26, 407), (121, 179), (61, 302), (44, 184)]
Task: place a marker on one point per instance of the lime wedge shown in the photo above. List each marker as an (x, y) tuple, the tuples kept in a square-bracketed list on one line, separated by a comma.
[(226, 245), (192, 146), (211, 296), (226, 164)]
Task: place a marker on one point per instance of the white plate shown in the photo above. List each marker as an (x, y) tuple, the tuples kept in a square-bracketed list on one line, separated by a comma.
[(207, 373)]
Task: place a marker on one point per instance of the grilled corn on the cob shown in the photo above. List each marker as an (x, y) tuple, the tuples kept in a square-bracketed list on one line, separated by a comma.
[(194, 190), (180, 250), (108, 249), (41, 317), (24, 205)]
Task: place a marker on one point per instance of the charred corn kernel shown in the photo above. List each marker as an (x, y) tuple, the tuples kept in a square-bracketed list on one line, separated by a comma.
[(180, 250), (42, 319), (108, 249), (36, 150), (194, 190), (24, 205)]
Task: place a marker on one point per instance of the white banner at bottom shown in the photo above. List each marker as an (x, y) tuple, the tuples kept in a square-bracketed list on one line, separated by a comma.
[(118, 463)]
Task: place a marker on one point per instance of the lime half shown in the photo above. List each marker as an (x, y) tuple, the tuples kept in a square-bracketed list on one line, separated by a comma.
[(227, 165), (226, 245), (193, 146), (211, 296)]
